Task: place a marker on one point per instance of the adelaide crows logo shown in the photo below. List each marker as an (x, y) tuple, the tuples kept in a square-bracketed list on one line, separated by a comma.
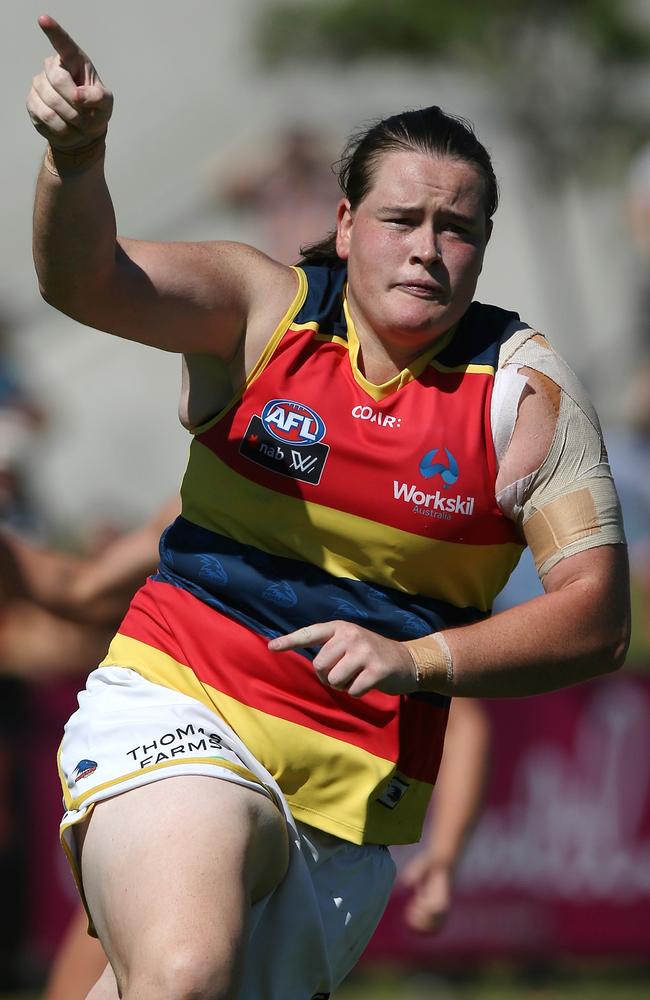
[(448, 473), (83, 769)]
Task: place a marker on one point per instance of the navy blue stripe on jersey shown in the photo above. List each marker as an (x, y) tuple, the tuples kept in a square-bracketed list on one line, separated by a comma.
[(276, 595), (478, 337)]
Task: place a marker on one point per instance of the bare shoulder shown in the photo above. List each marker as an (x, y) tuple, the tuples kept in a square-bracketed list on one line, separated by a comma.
[(233, 271), (192, 297), (272, 291)]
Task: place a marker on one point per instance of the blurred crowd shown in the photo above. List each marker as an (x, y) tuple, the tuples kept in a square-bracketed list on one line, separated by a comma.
[(46, 648)]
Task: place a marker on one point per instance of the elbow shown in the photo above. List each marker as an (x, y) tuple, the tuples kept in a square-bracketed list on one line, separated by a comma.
[(46, 293), (75, 295), (614, 647), (56, 301), (56, 297), (619, 653)]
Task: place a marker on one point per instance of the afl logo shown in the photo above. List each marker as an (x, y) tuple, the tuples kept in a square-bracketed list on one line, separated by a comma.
[(293, 423)]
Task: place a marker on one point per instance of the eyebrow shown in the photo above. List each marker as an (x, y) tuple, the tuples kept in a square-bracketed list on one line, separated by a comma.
[(449, 213), (396, 209)]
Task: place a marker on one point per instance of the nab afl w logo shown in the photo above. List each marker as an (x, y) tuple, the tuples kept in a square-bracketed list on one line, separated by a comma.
[(429, 468), (287, 438)]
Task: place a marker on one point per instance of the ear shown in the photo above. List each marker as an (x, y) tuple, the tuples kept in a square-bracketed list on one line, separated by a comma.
[(344, 220)]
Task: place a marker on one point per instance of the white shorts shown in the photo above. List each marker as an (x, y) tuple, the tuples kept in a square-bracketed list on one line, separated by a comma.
[(311, 930)]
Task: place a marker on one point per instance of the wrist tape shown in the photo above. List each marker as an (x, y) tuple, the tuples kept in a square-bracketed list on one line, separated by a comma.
[(433, 662), (58, 161)]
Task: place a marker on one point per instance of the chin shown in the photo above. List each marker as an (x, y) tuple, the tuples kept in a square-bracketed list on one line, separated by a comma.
[(434, 324)]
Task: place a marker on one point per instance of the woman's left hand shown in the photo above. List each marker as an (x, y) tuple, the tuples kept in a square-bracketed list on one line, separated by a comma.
[(354, 659)]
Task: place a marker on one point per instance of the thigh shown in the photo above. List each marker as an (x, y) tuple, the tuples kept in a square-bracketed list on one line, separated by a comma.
[(171, 869)]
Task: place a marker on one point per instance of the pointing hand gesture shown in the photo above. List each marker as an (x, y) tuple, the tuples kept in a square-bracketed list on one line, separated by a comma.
[(354, 659), (68, 103)]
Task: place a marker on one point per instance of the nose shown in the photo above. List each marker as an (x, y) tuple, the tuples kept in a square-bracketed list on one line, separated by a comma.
[(425, 248)]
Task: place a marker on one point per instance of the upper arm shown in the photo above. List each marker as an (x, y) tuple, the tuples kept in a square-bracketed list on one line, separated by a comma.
[(534, 430), (554, 479), (187, 297), (600, 580)]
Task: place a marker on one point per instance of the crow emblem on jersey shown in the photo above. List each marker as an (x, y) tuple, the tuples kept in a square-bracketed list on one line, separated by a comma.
[(287, 438), (83, 769), (448, 473)]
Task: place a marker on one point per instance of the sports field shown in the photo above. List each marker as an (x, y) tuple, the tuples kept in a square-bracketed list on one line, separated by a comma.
[(607, 984), (610, 983)]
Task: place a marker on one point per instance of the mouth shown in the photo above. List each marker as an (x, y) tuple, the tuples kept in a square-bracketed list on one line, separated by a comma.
[(422, 290)]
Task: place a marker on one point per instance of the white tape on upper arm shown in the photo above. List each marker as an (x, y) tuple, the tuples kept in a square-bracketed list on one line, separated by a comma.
[(569, 503), (509, 385)]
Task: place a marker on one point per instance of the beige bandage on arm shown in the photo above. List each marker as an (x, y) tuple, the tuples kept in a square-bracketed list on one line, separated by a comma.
[(434, 666), (570, 503), (71, 161)]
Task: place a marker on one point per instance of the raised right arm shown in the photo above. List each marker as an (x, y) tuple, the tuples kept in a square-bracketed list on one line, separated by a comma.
[(184, 297)]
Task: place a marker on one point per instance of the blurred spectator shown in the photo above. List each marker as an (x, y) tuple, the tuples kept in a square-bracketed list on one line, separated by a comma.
[(20, 418), (290, 188), (628, 447), (638, 213), (59, 612), (638, 197)]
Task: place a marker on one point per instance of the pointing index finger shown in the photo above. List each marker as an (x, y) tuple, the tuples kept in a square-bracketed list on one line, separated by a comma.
[(60, 40), (310, 635)]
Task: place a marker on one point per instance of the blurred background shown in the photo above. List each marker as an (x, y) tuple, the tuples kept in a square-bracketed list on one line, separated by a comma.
[(227, 118)]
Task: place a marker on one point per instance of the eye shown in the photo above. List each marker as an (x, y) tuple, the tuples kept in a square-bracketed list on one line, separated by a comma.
[(455, 227)]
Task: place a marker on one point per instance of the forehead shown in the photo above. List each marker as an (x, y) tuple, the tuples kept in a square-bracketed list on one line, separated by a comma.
[(408, 176)]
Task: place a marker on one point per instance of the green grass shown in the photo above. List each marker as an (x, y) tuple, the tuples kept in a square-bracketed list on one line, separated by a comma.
[(609, 983)]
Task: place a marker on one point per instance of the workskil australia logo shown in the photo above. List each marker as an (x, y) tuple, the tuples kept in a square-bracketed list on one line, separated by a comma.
[(439, 504), (287, 438)]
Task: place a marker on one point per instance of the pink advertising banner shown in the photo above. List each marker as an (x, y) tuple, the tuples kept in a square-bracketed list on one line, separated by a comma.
[(559, 864)]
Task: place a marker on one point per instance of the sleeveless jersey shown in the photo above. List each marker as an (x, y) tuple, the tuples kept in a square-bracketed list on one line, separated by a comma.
[(316, 495)]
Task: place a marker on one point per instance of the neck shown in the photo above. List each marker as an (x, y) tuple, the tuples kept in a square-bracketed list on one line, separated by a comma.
[(381, 358), (378, 362)]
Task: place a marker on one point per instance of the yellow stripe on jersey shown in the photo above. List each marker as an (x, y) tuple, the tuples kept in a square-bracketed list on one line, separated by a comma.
[(340, 781), (266, 354), (465, 369), (381, 391), (462, 575), (329, 338)]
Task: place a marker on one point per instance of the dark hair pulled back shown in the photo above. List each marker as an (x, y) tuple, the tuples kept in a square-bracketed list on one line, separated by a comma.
[(427, 130)]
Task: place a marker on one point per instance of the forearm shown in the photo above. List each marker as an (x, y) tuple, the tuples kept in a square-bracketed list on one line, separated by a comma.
[(35, 643), (460, 785), (568, 635), (38, 575), (74, 235)]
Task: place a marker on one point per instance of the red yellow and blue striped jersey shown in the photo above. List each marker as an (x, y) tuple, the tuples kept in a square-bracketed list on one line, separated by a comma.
[(315, 495)]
